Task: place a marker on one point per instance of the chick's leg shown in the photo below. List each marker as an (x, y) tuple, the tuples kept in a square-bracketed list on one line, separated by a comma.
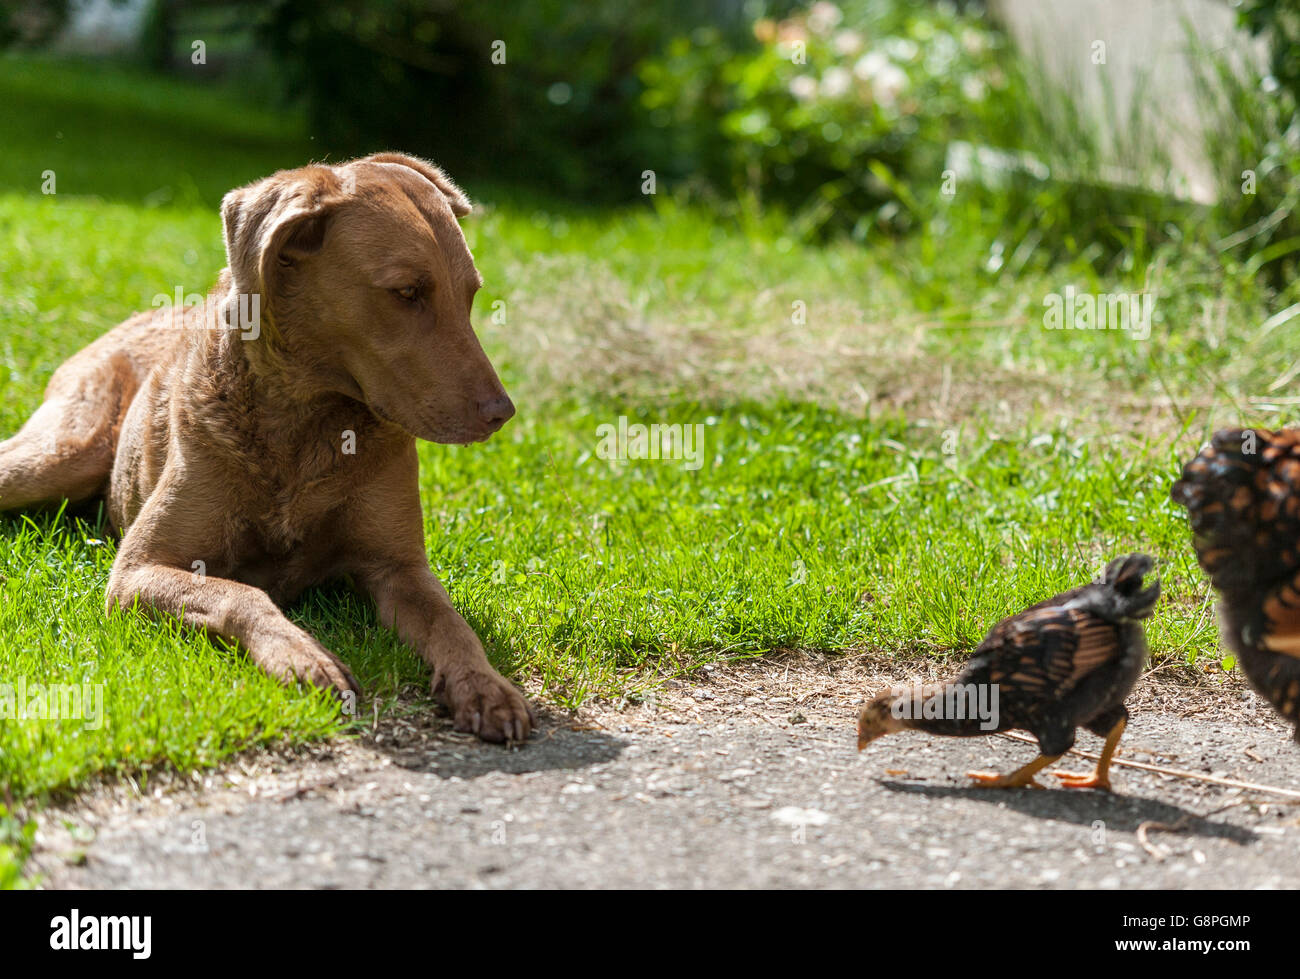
[(1020, 778), (1100, 779)]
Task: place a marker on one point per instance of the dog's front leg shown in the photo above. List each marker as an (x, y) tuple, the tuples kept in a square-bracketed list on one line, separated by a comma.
[(414, 603), (237, 613)]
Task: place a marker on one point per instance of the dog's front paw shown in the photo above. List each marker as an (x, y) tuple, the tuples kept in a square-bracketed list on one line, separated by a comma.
[(301, 657), (485, 703)]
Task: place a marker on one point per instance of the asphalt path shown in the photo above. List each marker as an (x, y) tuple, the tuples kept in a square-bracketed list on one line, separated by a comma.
[(710, 791)]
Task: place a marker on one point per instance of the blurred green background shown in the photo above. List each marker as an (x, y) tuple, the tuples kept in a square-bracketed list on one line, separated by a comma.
[(843, 116)]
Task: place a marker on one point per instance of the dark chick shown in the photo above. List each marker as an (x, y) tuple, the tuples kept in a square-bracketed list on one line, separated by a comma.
[(1065, 663), (1242, 495)]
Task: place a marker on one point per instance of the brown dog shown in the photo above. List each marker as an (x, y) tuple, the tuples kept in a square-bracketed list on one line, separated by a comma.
[(246, 458)]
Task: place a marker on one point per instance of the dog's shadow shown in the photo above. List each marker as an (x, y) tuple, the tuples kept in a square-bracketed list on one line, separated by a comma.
[(414, 729), (430, 745), (1115, 811)]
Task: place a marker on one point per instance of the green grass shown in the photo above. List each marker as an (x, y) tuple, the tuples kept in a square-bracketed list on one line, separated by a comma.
[(122, 134), (804, 529), (992, 463)]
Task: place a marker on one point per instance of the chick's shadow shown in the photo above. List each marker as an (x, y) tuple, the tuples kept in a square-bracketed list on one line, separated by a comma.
[(1118, 812)]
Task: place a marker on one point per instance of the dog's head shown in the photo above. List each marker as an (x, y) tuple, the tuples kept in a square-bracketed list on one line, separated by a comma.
[(366, 285)]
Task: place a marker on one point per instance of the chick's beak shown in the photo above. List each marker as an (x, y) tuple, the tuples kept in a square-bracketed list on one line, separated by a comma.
[(865, 734)]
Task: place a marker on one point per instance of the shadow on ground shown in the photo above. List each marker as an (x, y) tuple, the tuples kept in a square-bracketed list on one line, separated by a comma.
[(1118, 813), (426, 743)]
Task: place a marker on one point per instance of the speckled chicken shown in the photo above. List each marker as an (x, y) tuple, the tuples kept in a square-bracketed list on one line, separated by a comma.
[(1065, 663), (1242, 494)]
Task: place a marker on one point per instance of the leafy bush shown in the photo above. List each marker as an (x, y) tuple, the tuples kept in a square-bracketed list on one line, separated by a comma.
[(559, 111), (1255, 147), (1279, 22), (825, 108), (31, 23)]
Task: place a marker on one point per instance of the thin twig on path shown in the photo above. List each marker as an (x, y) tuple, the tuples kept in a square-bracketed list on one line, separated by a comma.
[(1150, 824), (1183, 822)]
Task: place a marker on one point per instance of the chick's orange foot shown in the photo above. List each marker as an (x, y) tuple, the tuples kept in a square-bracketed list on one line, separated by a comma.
[(992, 780), (1083, 780), (1020, 778), (1100, 778)]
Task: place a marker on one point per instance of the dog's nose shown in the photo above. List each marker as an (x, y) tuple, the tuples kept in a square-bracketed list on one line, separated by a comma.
[(496, 411)]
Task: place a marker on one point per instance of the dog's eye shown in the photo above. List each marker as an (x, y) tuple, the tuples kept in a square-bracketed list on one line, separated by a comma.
[(408, 293)]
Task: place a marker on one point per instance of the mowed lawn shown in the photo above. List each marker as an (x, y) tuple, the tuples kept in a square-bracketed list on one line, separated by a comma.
[(895, 452)]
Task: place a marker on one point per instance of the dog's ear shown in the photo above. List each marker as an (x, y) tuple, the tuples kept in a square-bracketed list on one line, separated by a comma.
[(460, 204), (275, 222)]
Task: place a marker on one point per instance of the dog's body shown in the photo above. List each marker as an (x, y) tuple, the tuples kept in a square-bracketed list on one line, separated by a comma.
[(243, 465)]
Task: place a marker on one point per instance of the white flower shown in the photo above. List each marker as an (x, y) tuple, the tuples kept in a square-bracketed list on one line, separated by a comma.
[(973, 88), (901, 49), (887, 79), (847, 42), (888, 84), (823, 16), (973, 41), (803, 87), (940, 52), (836, 82), (870, 65)]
